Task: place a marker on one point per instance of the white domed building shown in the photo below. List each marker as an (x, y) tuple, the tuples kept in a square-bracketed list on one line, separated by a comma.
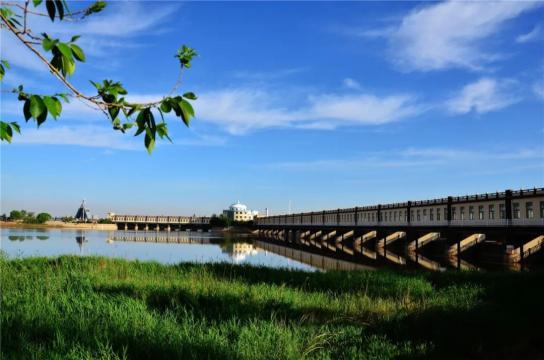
[(240, 212)]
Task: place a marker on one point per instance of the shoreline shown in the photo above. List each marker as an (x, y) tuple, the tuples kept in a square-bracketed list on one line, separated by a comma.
[(58, 225)]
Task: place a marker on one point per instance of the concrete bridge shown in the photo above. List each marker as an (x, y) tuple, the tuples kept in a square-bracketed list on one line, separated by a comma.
[(160, 222), (511, 220)]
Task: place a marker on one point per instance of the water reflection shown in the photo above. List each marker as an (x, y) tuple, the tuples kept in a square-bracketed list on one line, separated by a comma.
[(27, 237), (165, 247)]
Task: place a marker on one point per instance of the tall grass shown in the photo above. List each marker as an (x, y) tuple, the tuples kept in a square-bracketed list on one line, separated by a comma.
[(85, 308)]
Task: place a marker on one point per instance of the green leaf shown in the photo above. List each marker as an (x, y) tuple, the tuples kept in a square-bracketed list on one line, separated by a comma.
[(186, 111), (127, 126), (113, 111), (64, 97), (47, 43), (5, 63), (174, 103), (41, 119), (140, 121), (60, 8), (162, 130), (165, 105), (95, 8), (56, 62), (149, 140), (75, 37), (53, 105), (2, 72), (65, 50), (190, 95), (78, 53), (37, 2), (16, 127), (37, 107), (68, 65), (5, 132), (26, 110), (96, 85), (50, 5)]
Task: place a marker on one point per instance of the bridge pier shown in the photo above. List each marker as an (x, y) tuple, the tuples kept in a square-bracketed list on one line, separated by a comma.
[(136, 227)]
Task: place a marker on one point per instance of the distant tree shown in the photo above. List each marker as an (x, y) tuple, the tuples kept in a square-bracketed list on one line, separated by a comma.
[(17, 215), (59, 56), (220, 220), (4, 217), (43, 217)]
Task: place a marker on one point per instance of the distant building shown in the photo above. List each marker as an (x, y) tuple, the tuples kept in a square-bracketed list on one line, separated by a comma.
[(82, 213), (240, 212)]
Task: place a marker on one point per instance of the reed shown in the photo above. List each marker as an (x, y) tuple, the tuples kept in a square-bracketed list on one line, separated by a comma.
[(72, 307)]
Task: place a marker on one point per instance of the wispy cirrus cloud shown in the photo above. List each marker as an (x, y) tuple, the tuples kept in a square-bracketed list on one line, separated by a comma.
[(241, 110), (449, 34), (411, 158), (533, 35), (538, 90), (87, 135), (351, 84), (482, 96)]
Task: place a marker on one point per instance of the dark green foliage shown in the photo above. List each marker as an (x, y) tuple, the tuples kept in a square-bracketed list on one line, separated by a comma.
[(95, 8), (99, 308), (29, 217), (17, 214), (7, 129), (43, 217)]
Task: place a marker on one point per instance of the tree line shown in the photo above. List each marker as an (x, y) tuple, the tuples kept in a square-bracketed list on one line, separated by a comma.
[(28, 217)]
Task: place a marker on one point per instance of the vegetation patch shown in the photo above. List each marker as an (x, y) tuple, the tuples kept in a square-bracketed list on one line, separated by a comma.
[(71, 307)]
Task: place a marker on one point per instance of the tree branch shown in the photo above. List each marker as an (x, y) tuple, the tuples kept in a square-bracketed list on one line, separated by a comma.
[(78, 94)]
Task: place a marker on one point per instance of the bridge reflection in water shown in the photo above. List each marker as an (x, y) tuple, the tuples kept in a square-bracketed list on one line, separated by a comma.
[(325, 256), (170, 237)]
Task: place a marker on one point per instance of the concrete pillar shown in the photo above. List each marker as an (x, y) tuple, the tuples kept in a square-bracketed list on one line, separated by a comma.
[(168, 228), (146, 227), (136, 227), (126, 226)]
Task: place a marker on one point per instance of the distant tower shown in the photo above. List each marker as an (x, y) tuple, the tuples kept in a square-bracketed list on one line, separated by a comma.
[(81, 214), (266, 211)]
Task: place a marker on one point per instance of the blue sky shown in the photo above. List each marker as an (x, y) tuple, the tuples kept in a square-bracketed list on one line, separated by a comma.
[(324, 104)]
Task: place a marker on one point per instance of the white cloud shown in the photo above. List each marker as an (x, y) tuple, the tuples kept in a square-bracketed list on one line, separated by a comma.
[(530, 36), (538, 89), (90, 136), (450, 34), (409, 158), (351, 84), (111, 30), (484, 95), (362, 109), (242, 110)]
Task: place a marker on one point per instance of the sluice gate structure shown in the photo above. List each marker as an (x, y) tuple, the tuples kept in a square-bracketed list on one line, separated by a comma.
[(508, 225), (160, 223)]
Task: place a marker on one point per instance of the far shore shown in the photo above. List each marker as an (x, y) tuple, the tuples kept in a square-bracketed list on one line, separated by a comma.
[(58, 225), (234, 230)]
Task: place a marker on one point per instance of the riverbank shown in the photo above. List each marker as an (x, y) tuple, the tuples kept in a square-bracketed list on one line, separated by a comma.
[(74, 307), (58, 225)]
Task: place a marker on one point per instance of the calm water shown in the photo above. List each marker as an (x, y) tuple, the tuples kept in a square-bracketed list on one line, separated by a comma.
[(175, 247), (164, 247)]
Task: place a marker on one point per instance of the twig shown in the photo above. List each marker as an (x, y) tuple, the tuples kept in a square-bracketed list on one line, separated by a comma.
[(102, 105)]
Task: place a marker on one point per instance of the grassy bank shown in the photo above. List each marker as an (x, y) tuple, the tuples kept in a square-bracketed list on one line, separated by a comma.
[(100, 308)]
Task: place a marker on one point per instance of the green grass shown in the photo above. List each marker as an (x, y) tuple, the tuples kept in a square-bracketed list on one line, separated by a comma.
[(84, 308)]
